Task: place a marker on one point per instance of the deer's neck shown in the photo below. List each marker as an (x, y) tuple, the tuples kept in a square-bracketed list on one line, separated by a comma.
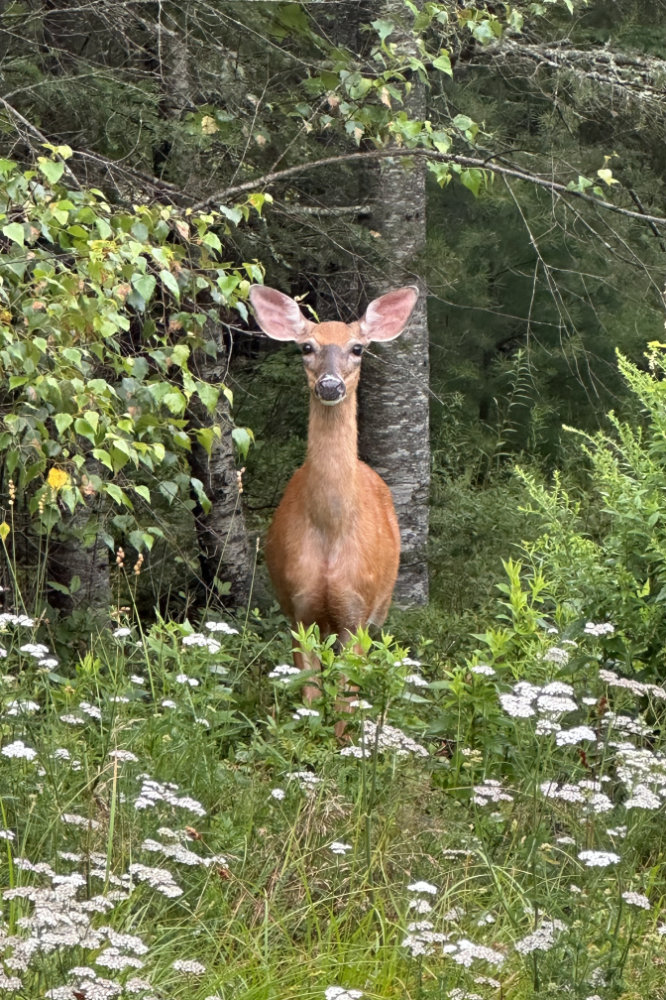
[(332, 464)]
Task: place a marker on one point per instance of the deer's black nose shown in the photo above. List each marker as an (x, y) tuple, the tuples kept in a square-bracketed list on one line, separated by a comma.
[(330, 389)]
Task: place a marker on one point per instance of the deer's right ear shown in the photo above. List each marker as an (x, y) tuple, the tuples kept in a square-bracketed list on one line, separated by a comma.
[(278, 315)]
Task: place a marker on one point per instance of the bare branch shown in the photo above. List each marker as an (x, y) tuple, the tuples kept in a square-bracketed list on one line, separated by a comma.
[(462, 161)]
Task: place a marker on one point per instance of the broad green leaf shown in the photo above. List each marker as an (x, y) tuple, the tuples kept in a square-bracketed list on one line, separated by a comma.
[(170, 282), (443, 63), (143, 491), (145, 285), (15, 232), (103, 456), (242, 438), (117, 494), (208, 394), (52, 169), (63, 421)]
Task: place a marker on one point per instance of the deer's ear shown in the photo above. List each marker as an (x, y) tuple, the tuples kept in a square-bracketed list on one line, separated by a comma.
[(386, 317), (278, 315)]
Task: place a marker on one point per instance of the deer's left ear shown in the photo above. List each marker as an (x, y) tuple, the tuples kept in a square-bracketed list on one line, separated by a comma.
[(386, 317)]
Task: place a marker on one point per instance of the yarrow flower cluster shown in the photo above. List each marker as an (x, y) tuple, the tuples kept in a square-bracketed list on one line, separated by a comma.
[(283, 671), (490, 793), (153, 792), (338, 993), (221, 627), (599, 859), (338, 847), (541, 939), (18, 750), (390, 738), (636, 899), (200, 641), (603, 628)]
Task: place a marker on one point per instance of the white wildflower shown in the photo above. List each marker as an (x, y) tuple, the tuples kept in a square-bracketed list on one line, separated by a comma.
[(221, 627), (305, 713), (546, 727), (338, 993), (542, 939), (556, 655), (188, 965), (21, 707), (416, 680), (482, 670), (603, 628), (283, 670), (124, 756), (338, 847), (202, 642), (121, 632), (490, 792), (598, 859), (19, 750), (570, 737), (420, 906), (517, 708), (184, 679), (549, 704), (636, 899), (278, 793), (426, 887), (385, 737), (157, 878)]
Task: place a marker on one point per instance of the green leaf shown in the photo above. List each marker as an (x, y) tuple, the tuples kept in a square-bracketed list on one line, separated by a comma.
[(143, 491), (443, 63), (169, 490), (63, 421), (52, 169), (232, 214), (212, 240), (15, 232), (199, 492), (208, 394), (144, 285), (117, 494), (103, 456), (242, 438), (383, 28), (170, 282)]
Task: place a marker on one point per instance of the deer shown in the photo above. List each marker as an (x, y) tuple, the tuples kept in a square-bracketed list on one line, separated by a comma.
[(333, 546)]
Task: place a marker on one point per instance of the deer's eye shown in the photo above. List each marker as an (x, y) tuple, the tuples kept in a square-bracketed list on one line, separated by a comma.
[(307, 349), (357, 350)]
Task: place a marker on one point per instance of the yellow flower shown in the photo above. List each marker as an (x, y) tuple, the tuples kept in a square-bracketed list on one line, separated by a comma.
[(57, 478)]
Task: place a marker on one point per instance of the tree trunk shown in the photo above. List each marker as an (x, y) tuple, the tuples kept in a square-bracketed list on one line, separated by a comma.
[(224, 548), (78, 552), (394, 429)]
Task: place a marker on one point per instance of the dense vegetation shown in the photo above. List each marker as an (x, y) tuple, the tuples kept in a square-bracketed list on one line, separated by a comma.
[(174, 820)]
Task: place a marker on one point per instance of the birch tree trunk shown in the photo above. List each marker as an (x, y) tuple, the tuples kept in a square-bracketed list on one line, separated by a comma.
[(394, 434)]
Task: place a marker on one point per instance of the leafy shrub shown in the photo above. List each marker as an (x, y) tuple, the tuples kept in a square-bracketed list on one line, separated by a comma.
[(604, 554)]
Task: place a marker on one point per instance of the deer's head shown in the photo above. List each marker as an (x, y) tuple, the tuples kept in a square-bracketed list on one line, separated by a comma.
[(332, 351)]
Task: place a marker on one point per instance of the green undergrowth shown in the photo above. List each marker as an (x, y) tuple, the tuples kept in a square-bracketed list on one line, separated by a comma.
[(176, 822)]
